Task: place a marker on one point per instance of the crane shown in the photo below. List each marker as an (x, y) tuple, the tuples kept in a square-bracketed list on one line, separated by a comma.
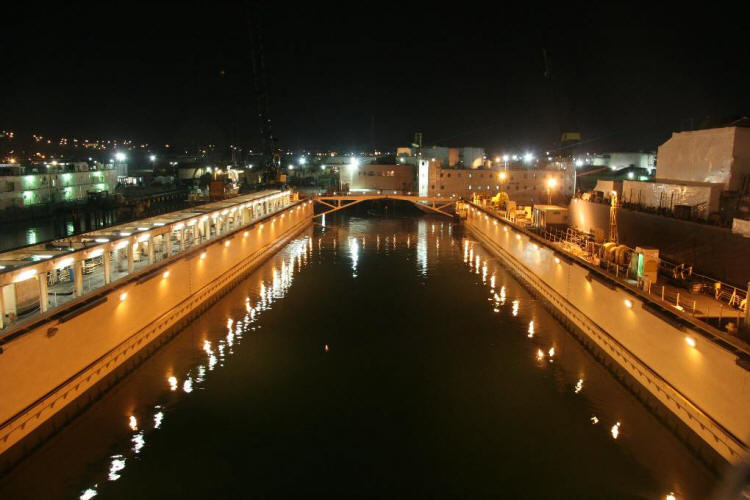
[(271, 159), (613, 237)]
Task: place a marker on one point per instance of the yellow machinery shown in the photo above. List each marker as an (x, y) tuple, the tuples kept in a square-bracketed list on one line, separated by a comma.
[(498, 201)]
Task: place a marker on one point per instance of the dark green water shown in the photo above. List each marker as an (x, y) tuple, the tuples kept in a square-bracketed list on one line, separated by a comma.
[(371, 358)]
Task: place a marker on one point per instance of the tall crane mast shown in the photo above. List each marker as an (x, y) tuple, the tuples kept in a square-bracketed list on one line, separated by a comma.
[(271, 160), (613, 236)]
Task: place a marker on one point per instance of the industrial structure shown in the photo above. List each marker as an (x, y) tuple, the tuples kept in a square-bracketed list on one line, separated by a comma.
[(523, 185), (25, 186), (374, 177)]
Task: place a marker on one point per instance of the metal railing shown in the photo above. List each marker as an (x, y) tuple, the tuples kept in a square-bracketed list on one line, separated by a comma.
[(67, 276), (723, 303)]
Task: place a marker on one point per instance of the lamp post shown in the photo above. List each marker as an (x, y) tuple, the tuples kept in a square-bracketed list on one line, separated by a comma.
[(501, 177), (118, 161), (551, 183)]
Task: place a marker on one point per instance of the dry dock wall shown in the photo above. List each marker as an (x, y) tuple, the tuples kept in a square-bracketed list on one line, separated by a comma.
[(701, 385), (714, 251), (46, 369)]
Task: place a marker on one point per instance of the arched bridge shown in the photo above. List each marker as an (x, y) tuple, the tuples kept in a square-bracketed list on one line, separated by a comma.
[(337, 202)]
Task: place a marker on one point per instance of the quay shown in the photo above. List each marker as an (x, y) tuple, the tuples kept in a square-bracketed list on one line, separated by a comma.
[(691, 374), (78, 312)]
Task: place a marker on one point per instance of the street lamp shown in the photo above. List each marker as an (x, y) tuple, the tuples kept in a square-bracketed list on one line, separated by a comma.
[(152, 158), (551, 183)]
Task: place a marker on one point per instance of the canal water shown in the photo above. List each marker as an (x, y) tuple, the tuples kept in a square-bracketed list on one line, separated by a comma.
[(372, 357), (23, 233)]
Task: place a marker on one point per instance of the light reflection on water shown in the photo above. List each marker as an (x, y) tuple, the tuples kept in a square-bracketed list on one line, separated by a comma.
[(547, 366), (281, 281)]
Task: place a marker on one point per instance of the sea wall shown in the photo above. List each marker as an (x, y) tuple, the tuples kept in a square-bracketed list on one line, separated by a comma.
[(681, 366), (50, 371)]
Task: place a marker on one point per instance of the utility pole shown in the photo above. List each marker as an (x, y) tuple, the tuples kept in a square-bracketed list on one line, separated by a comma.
[(746, 323), (271, 157), (613, 237)]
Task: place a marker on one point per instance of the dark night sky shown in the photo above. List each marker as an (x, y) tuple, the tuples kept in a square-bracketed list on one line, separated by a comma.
[(626, 75)]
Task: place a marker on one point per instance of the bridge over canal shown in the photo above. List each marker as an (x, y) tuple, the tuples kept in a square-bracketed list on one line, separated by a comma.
[(335, 202)]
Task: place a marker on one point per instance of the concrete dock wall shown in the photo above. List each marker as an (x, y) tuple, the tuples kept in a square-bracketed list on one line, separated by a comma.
[(714, 251), (702, 384), (45, 370)]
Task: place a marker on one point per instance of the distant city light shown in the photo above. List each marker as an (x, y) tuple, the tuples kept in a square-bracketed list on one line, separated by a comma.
[(528, 157), (152, 158), (506, 157), (302, 160), (120, 156)]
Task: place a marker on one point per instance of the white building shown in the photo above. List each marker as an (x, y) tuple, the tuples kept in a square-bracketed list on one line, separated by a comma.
[(386, 179), (618, 161), (64, 181), (717, 155), (524, 185), (471, 157), (468, 157), (703, 197)]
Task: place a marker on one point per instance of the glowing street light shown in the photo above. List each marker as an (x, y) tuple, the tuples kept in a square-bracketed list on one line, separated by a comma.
[(152, 158), (551, 183), (528, 158), (120, 156)]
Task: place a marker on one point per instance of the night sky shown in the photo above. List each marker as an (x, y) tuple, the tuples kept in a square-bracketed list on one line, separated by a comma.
[(363, 75)]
